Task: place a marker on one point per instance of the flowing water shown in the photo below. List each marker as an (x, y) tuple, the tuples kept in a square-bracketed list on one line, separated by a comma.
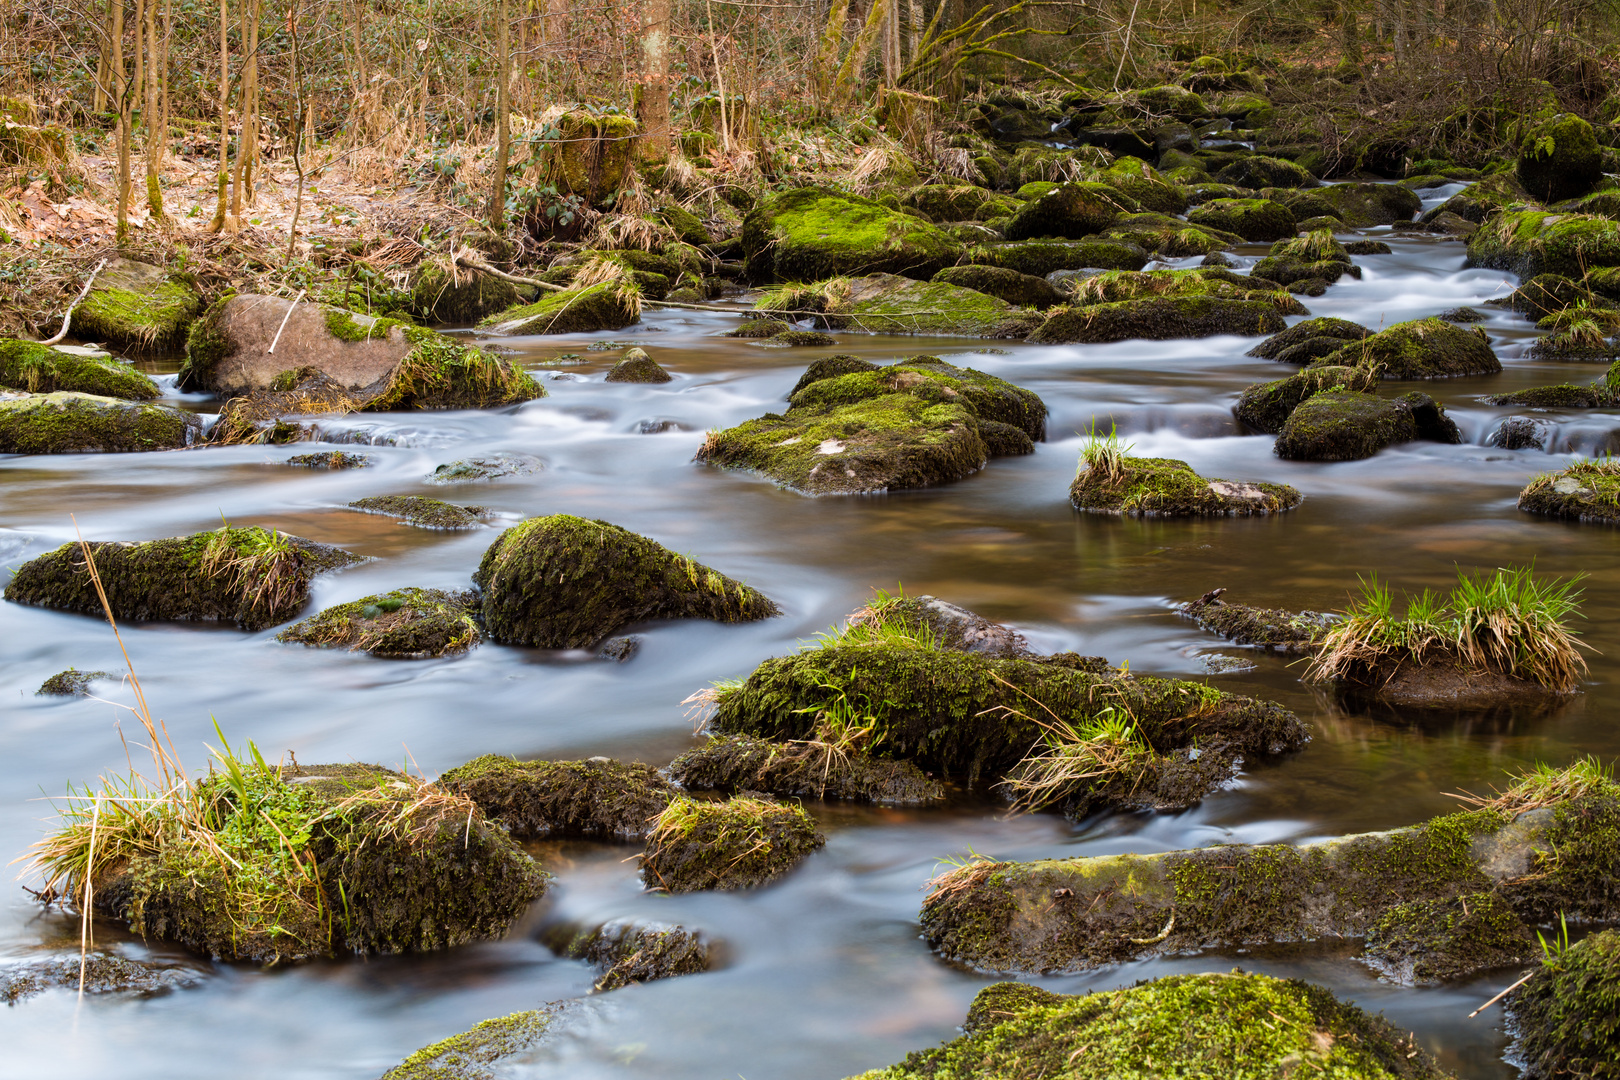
[(823, 973)]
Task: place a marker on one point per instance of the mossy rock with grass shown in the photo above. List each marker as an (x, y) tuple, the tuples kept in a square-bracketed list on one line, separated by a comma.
[(1421, 349), (404, 624), (1039, 258), (40, 369), (564, 582), (1562, 396), (1265, 407), (597, 799), (441, 293), (1137, 180), (808, 769), (1303, 204), (331, 460), (70, 683), (1270, 628), (1164, 487), (1566, 1019), (1070, 210), (1252, 219), (1170, 237), (1209, 1026), (635, 366), (590, 155), (1362, 206), (1022, 290), (628, 952), (1429, 941), (67, 422), (741, 843), (1275, 346), (1344, 425), (1585, 491), (811, 233), (1549, 294), (1313, 256), (1258, 171), (472, 1054), (945, 625), (423, 513), (1532, 242), (687, 225), (1160, 318), (1581, 344), (251, 577), (1064, 915), (1559, 158), (607, 305), (758, 328), (137, 306)]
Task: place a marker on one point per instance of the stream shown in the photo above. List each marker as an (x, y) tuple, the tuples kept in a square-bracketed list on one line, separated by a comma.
[(823, 974)]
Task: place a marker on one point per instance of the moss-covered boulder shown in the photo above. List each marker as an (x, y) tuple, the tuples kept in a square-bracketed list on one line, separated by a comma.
[(891, 304), (590, 154), (1252, 219), (1159, 319), (1566, 1019), (1195, 1027), (635, 366), (1136, 179), (1362, 206), (741, 843), (1163, 487), (1315, 256), (563, 582), (807, 768), (1532, 242), (1421, 349), (442, 293), (66, 422), (40, 369), (953, 202), (914, 424), (1559, 158), (135, 306), (1074, 210), (471, 1054), (1346, 425), (629, 952), (404, 624), (1560, 396), (1481, 199), (1585, 491), (1258, 171), (811, 233), (597, 799), (1042, 257), (754, 328), (799, 339), (1265, 407), (1279, 345), (1074, 914), (1019, 289), (1170, 237), (607, 305), (1269, 628), (423, 513)]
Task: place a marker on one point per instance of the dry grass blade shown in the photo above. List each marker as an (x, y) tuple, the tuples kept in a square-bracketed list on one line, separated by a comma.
[(1073, 758), (964, 874)]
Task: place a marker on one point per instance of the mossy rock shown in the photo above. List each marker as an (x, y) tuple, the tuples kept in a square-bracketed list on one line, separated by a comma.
[(758, 328), (1071, 210), (914, 424), (597, 799), (477, 470), (629, 953), (810, 234), (1532, 242), (1561, 396), (1265, 407), (604, 306), (1280, 343), (1314, 257), (1175, 101), (741, 843), (1481, 199), (1198, 1027), (40, 369), (33, 146), (1164, 487), (830, 367), (1559, 158), (442, 294), (1159, 319), (563, 582), (137, 306), (249, 577), (1362, 206), (590, 155), (1039, 258), (423, 513), (1549, 294), (1429, 941), (956, 202), (1258, 171), (330, 459), (470, 1055), (1566, 1019), (738, 763), (1292, 632), (1421, 349), (890, 304), (1520, 433), (798, 339), (1585, 491), (948, 626), (1022, 290), (1568, 346), (1344, 425), (1303, 204), (70, 683), (65, 422), (1136, 179), (635, 366), (405, 624), (1170, 237), (1252, 219), (686, 224)]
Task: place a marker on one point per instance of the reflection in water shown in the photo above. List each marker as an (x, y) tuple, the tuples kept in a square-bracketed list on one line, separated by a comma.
[(824, 974)]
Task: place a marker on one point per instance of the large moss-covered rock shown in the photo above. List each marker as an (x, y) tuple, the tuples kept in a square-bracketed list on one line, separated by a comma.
[(891, 304), (66, 422), (956, 202), (1042, 257), (1281, 345), (914, 424), (1023, 290), (1164, 487), (471, 1054), (1346, 425), (1252, 219), (1421, 349), (608, 305), (1559, 158), (1258, 171), (442, 293), (1566, 1019), (40, 369), (1170, 237), (137, 306), (1193, 1027), (1265, 407), (1532, 242), (563, 582), (1313, 256), (1159, 319), (590, 154), (1136, 179), (1560, 396), (811, 233), (598, 799), (1585, 491), (741, 843), (404, 624), (1361, 206), (1479, 200), (1073, 210), (804, 769), (251, 577)]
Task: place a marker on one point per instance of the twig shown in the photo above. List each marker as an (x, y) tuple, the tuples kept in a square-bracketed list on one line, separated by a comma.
[(1169, 926), (277, 339), (67, 316), (1500, 996)]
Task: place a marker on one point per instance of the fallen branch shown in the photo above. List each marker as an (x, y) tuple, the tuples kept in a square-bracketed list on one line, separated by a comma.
[(67, 316), (1500, 996)]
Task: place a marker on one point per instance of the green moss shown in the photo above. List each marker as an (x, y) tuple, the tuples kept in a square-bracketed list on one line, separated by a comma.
[(1073, 210), (70, 683), (830, 367), (1277, 344), (757, 328), (813, 233), (404, 624), (442, 373), (27, 365), (1559, 158), (1023, 290), (1272, 628), (888, 304), (605, 306), (793, 339), (65, 422), (1561, 396), (1362, 206), (1421, 349), (1171, 237), (629, 953), (1163, 487), (1265, 407), (1532, 242), (425, 513), (1344, 425), (1258, 171), (598, 799), (1159, 319), (958, 202), (1566, 1019), (590, 154), (135, 306), (206, 345), (1436, 940), (1176, 101), (686, 225), (1315, 256), (1586, 491), (468, 1056), (635, 366), (1041, 257), (438, 296), (737, 844), (1252, 219), (562, 582), (809, 769), (1137, 180)]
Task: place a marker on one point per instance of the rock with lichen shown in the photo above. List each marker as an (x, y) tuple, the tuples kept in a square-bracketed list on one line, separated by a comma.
[(1164, 487), (598, 798), (1584, 491)]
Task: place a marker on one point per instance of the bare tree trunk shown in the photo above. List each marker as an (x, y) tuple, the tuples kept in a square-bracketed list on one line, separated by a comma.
[(121, 92), (832, 41), (153, 115), (250, 171), (138, 90), (359, 45), (496, 212), (103, 66), (222, 217), (298, 138), (168, 37), (654, 110)]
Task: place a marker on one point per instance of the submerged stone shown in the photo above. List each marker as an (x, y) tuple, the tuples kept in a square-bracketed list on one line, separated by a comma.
[(1521, 433), (1164, 487), (741, 843), (629, 952), (1566, 1019), (423, 513), (637, 367), (564, 582), (812, 233), (488, 467), (330, 459), (1291, 632), (608, 305), (807, 768), (67, 422), (1585, 491), (134, 305), (99, 972), (405, 624), (597, 799), (470, 1055), (40, 369), (1422, 349), (70, 683)]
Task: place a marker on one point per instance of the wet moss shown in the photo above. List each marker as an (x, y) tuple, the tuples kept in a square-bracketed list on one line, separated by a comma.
[(1171, 237), (1159, 319), (687, 225), (830, 367), (1072, 210), (1561, 396), (404, 624), (758, 328), (468, 1056), (1302, 262), (629, 952), (1258, 171), (40, 369), (1039, 258), (1344, 425), (1586, 491), (1291, 632), (135, 306), (807, 769), (1265, 407), (1559, 158), (1438, 940), (1252, 219), (70, 683), (442, 373), (1136, 179), (1362, 206), (330, 459), (1024, 290), (1197, 1027), (1532, 242), (810, 234), (423, 513), (604, 306), (439, 294), (791, 339), (637, 367), (598, 799), (66, 422), (1421, 349), (741, 843), (1311, 329), (947, 626), (249, 577), (1566, 1019), (1164, 487), (563, 582)]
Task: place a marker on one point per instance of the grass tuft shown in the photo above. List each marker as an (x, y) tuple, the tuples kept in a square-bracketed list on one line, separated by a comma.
[(1103, 454), (1543, 785)]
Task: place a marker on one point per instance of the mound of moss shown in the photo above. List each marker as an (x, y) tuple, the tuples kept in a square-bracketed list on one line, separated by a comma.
[(1073, 210), (330, 459), (609, 305), (563, 582), (70, 683), (1308, 332), (629, 952), (1073, 914), (1271, 628), (251, 577), (1347, 425), (914, 424), (1020, 289), (830, 367), (1559, 158), (1533, 242), (443, 294), (1566, 1019), (137, 306), (813, 233), (1362, 206), (599, 798), (1192, 1027), (635, 366), (807, 769), (1429, 941), (1265, 407), (1164, 487), (1039, 258), (758, 328), (67, 422), (405, 624), (1258, 171), (423, 513), (741, 843), (891, 304), (1159, 318), (40, 369), (1252, 219), (1586, 491), (471, 1054), (1421, 349), (1136, 179)]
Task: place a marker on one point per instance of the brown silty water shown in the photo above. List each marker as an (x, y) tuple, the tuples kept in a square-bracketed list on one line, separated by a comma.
[(824, 973)]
